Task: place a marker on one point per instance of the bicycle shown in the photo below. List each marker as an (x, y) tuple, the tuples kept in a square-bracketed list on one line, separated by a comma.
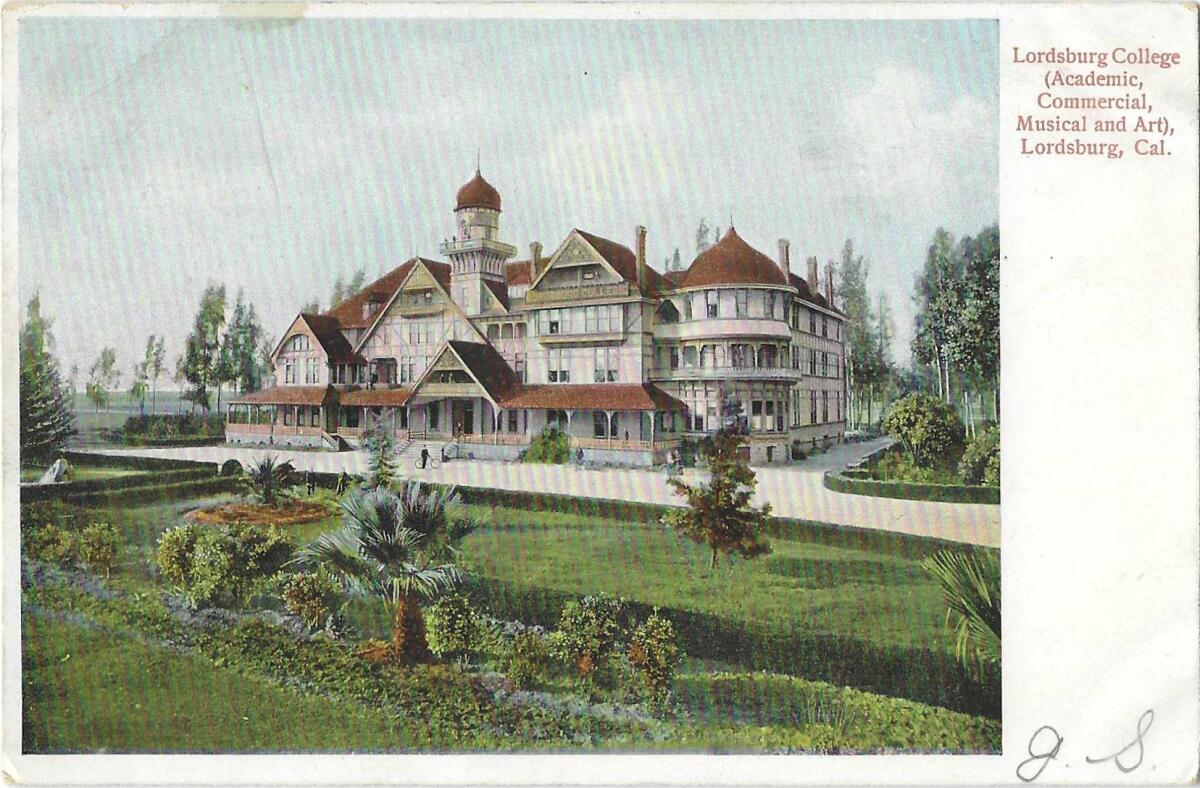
[(433, 463)]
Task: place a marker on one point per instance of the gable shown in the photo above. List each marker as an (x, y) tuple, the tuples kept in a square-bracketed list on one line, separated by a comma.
[(574, 254)]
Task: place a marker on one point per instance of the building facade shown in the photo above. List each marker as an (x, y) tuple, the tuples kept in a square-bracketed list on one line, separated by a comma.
[(481, 352)]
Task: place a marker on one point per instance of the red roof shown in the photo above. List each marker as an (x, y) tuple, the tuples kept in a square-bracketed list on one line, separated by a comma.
[(732, 261), (477, 193), (286, 395), (488, 367), (500, 291), (331, 339), (593, 396), (518, 272), (624, 262), (375, 397), (349, 312), (807, 294)]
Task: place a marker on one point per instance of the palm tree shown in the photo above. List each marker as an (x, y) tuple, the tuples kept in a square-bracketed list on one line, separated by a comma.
[(268, 480), (970, 582), (400, 548)]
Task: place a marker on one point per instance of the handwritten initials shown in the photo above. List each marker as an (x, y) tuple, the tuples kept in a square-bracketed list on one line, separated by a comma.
[(1143, 727)]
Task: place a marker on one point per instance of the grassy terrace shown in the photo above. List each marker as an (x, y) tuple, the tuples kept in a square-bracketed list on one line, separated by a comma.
[(112, 670)]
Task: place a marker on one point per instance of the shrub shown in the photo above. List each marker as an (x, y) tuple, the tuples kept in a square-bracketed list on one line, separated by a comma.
[(528, 659), (654, 654), (52, 544), (98, 546), (42, 513), (452, 626), (976, 459), (899, 467), (928, 428), (550, 446), (991, 474), (589, 631), (222, 565), (311, 597)]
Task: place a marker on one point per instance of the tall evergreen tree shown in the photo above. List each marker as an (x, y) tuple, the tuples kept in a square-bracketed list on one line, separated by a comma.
[(861, 345), (103, 378), (355, 284), (46, 405), (203, 346)]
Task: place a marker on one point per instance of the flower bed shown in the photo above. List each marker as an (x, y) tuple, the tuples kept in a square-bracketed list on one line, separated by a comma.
[(290, 513)]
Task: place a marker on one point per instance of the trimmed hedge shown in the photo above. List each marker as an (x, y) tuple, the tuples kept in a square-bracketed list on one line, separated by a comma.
[(42, 492), (856, 483), (923, 675), (182, 441), (132, 461), (156, 493)]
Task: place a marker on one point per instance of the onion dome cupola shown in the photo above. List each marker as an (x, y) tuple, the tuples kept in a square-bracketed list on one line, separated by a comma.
[(475, 250), (477, 193)]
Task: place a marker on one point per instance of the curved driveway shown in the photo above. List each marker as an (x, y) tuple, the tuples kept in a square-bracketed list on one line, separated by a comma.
[(793, 491)]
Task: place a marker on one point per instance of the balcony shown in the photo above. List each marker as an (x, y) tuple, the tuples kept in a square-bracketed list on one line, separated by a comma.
[(722, 328), (581, 338), (573, 293), (725, 373), (473, 244)]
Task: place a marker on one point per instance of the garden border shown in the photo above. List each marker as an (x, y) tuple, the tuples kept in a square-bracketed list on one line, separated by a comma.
[(847, 481)]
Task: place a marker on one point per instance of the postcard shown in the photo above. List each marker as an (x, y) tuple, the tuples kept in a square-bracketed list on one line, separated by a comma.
[(558, 393)]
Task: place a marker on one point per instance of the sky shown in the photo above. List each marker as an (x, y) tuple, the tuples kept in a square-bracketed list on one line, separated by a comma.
[(159, 155)]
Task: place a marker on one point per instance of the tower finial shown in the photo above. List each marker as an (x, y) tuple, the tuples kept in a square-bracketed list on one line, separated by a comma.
[(477, 154)]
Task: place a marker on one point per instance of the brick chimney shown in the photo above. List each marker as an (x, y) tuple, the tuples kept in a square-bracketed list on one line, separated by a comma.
[(829, 284), (814, 283), (535, 259), (642, 278), (785, 259)]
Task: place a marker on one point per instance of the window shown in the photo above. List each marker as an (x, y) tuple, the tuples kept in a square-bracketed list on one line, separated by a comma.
[(824, 406), (519, 367), (599, 424), (739, 355), (824, 326), (779, 416), (756, 408), (689, 356), (812, 322), (287, 416), (506, 331), (674, 357), (556, 366), (289, 373), (812, 362), (741, 299), (590, 319), (687, 306), (512, 421), (605, 365), (825, 364), (299, 342), (812, 409), (310, 371), (768, 303), (493, 332), (557, 418), (555, 322), (706, 356), (435, 412), (314, 417), (697, 417), (589, 275), (769, 412), (711, 303)]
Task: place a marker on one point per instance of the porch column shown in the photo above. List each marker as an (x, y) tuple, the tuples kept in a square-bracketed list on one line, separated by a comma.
[(496, 413), (609, 417), (653, 416)]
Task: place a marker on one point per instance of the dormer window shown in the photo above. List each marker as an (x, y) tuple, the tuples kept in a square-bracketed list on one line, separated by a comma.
[(370, 308), (298, 343), (589, 275)]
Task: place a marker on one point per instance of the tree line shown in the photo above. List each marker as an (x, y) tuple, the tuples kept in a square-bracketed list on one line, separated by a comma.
[(956, 340)]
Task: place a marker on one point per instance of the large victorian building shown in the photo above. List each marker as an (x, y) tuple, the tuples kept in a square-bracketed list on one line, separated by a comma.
[(484, 352)]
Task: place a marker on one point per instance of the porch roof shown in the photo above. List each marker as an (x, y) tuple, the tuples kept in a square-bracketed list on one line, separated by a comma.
[(286, 395), (375, 397), (593, 396)]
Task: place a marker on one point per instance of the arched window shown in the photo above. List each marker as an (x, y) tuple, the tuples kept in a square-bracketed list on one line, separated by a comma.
[(689, 355), (706, 356)]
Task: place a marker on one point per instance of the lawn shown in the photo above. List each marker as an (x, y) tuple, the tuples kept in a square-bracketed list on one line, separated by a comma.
[(825, 588), (100, 675), (81, 472), (87, 690)]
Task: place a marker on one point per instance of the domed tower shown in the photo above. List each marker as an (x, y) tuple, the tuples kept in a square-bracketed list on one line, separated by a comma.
[(475, 253)]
